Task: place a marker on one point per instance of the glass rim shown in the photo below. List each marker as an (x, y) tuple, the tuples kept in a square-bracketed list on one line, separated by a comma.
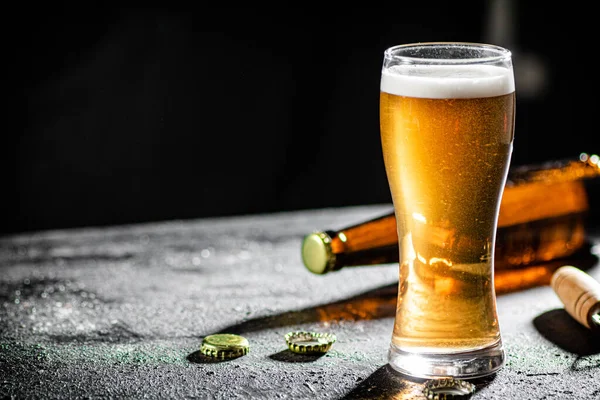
[(501, 53)]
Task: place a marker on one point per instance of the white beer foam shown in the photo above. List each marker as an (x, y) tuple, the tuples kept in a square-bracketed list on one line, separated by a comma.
[(447, 81)]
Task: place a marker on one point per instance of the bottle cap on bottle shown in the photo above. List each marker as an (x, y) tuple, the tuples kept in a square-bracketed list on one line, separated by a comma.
[(317, 255), (224, 346), (447, 388), (304, 342)]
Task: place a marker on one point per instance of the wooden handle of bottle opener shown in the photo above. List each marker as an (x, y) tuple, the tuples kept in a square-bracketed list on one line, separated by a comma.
[(580, 293)]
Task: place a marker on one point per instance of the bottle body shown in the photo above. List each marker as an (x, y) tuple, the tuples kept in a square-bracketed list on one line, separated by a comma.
[(538, 222)]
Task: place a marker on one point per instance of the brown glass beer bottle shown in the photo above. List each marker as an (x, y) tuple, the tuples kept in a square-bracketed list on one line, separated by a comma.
[(542, 218)]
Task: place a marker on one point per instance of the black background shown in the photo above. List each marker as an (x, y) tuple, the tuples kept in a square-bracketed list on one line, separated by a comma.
[(146, 114)]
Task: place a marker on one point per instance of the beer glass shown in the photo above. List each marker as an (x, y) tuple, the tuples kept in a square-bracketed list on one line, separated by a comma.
[(447, 121)]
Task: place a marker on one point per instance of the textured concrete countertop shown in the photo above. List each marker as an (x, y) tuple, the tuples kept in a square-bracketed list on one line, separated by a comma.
[(120, 312)]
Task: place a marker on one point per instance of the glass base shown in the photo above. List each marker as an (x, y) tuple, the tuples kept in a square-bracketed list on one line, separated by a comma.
[(472, 364)]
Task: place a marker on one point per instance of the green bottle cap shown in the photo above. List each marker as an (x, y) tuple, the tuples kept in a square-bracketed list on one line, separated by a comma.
[(303, 342), (317, 255), (224, 346), (447, 388)]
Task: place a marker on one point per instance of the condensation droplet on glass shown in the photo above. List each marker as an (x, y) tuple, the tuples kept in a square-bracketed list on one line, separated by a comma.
[(196, 260), (44, 295), (205, 253)]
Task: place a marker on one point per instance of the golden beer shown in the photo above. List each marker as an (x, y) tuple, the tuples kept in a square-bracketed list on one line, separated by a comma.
[(447, 135)]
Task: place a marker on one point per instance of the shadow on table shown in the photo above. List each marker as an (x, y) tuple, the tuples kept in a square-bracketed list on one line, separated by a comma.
[(373, 304), (381, 302), (386, 383), (564, 331), (291, 357)]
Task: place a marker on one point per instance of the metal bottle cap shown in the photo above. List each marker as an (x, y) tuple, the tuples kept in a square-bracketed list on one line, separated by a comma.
[(317, 254), (225, 346), (303, 342), (447, 388)]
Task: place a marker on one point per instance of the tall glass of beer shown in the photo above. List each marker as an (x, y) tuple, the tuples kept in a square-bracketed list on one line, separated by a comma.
[(447, 113)]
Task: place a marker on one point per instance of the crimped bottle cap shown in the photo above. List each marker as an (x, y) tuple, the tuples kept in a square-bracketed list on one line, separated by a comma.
[(225, 346), (317, 255), (304, 342), (447, 388)]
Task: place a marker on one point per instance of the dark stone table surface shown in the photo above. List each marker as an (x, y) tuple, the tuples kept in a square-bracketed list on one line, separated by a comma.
[(120, 312)]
